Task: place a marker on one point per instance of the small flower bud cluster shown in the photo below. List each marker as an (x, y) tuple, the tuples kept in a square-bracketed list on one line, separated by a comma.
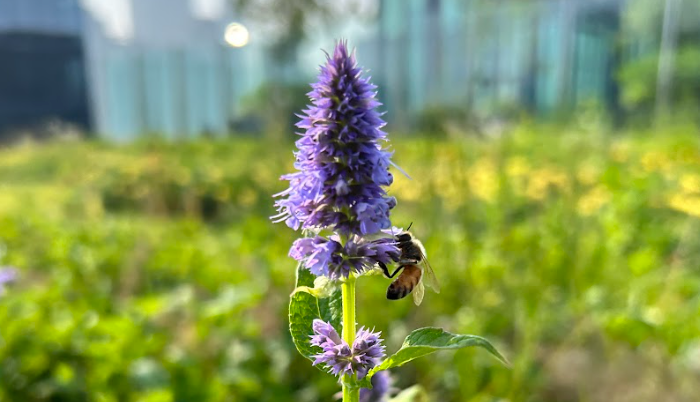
[(366, 351)]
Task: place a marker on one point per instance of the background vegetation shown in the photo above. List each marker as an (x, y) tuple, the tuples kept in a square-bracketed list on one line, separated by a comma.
[(150, 272)]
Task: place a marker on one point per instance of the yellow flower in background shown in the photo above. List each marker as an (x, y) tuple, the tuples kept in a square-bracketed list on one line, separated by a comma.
[(689, 204), (20, 156), (518, 167), (517, 170), (9, 203), (406, 189), (654, 161), (52, 198), (483, 179), (131, 171), (588, 174), (687, 197), (593, 200), (541, 180), (690, 183), (449, 177)]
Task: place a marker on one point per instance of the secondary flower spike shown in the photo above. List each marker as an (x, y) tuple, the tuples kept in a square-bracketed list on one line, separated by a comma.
[(327, 257), (342, 165), (381, 387), (339, 357)]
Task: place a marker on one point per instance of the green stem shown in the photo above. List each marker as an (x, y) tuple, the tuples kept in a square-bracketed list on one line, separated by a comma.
[(351, 392)]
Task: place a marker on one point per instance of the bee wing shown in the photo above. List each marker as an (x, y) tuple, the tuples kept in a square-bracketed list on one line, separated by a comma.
[(418, 293), (430, 278)]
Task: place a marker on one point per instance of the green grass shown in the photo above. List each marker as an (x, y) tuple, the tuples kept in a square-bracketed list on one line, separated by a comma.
[(151, 272)]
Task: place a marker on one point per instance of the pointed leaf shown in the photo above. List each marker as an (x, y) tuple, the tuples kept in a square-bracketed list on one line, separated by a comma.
[(428, 340), (331, 309), (303, 309)]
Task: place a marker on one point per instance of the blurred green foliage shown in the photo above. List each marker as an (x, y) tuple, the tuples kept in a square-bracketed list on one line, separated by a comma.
[(151, 272)]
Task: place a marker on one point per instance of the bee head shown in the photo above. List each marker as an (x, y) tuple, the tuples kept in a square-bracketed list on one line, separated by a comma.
[(404, 237)]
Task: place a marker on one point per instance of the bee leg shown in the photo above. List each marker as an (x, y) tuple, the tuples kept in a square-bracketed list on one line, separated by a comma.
[(396, 271), (385, 270)]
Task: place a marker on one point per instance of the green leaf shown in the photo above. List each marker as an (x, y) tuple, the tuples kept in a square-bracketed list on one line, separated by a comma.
[(303, 309), (424, 341), (331, 309), (415, 393)]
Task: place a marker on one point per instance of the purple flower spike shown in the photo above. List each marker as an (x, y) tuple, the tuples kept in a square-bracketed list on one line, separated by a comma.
[(339, 357), (342, 166), (381, 387)]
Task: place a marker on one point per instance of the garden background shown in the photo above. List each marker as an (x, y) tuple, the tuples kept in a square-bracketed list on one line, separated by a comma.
[(555, 161)]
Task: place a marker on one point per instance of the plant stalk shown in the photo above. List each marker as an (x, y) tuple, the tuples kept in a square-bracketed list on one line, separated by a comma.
[(351, 392)]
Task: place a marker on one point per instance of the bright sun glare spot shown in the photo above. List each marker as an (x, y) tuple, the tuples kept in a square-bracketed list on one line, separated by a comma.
[(236, 35)]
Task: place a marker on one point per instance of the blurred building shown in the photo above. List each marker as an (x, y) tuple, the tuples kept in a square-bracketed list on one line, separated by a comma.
[(123, 67), (496, 56), (42, 74), (162, 66)]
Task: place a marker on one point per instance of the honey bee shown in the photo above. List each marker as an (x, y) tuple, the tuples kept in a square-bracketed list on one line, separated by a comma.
[(413, 265)]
